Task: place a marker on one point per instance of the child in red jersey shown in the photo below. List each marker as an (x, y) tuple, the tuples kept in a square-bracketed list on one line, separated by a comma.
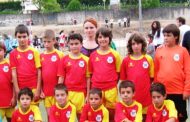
[(104, 65), (26, 112), (73, 72), (161, 110), (138, 67), (63, 110), (50, 60), (25, 64), (7, 98), (172, 68), (128, 110), (94, 111)]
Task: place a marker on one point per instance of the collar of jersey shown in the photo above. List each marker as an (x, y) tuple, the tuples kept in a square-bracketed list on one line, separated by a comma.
[(4, 61), (98, 108), (24, 113), (133, 58), (127, 105), (45, 52), (23, 50), (107, 52), (159, 109), (67, 104), (78, 57)]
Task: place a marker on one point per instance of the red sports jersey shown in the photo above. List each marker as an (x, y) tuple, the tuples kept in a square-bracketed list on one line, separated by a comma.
[(74, 70), (6, 88), (91, 115), (33, 114), (139, 71), (167, 111), (26, 63), (132, 112), (50, 62), (104, 69), (66, 114)]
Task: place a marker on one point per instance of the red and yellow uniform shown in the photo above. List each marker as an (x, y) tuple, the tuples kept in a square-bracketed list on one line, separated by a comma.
[(139, 71), (132, 112), (172, 68), (104, 69), (91, 115), (66, 114), (6, 89), (33, 114), (26, 63), (166, 112), (50, 62)]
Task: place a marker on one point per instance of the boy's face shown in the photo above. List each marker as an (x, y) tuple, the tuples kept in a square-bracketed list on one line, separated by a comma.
[(136, 47), (178, 23), (25, 101), (169, 39), (2, 53), (127, 95), (23, 39), (103, 41), (61, 97), (89, 29), (95, 101), (75, 46), (48, 43), (158, 99)]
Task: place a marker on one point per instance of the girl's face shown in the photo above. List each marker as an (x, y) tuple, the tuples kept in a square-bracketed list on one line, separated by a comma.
[(136, 47), (25, 101), (103, 41), (154, 25), (89, 29)]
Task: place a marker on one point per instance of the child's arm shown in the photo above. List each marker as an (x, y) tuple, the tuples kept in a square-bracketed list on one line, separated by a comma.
[(39, 85), (73, 114), (149, 116), (15, 82), (119, 115), (171, 120), (61, 79), (13, 100), (88, 88), (84, 114), (138, 117)]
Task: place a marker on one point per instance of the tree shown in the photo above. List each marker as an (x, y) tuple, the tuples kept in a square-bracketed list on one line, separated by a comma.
[(74, 5), (150, 3)]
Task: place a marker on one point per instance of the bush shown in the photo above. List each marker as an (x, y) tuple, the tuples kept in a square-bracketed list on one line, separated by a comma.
[(74, 5), (150, 3), (10, 5)]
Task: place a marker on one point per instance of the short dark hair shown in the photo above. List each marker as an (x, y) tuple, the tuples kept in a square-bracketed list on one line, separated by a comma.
[(21, 28), (96, 91), (181, 20), (25, 91), (2, 46), (172, 28), (150, 36), (105, 32), (49, 34), (60, 86), (74, 36), (126, 84), (158, 87), (138, 38)]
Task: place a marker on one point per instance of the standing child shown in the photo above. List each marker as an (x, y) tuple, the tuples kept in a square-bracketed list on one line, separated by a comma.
[(104, 65), (138, 68), (7, 99), (63, 110), (151, 48), (94, 111), (128, 110), (73, 72), (172, 68), (25, 64), (26, 112), (50, 59), (161, 110)]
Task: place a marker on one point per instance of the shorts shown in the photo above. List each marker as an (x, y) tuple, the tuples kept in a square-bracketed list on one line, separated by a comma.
[(180, 105), (6, 112), (110, 97), (49, 101), (77, 99)]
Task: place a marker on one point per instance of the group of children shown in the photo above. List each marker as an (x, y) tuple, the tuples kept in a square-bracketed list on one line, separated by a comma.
[(66, 83)]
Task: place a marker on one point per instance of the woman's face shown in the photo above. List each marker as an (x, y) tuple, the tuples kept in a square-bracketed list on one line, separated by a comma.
[(154, 25), (89, 29)]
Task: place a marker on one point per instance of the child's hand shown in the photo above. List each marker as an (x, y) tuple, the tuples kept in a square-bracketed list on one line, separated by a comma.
[(37, 95), (13, 102), (185, 96), (42, 95)]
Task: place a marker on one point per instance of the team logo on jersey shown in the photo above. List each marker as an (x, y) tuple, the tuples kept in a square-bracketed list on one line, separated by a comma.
[(145, 64), (5, 68), (130, 64), (110, 59), (68, 114), (30, 56), (154, 115), (133, 113), (18, 56), (31, 118), (56, 113), (164, 112), (81, 63), (53, 58), (68, 63), (19, 119), (97, 59), (98, 118), (89, 114), (176, 57)]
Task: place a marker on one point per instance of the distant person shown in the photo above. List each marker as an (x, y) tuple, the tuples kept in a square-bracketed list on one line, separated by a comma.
[(156, 31), (106, 21), (186, 41), (150, 48), (124, 22), (35, 41), (172, 68), (119, 22), (128, 109), (160, 110), (62, 40), (9, 44), (128, 21), (183, 27), (111, 23)]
